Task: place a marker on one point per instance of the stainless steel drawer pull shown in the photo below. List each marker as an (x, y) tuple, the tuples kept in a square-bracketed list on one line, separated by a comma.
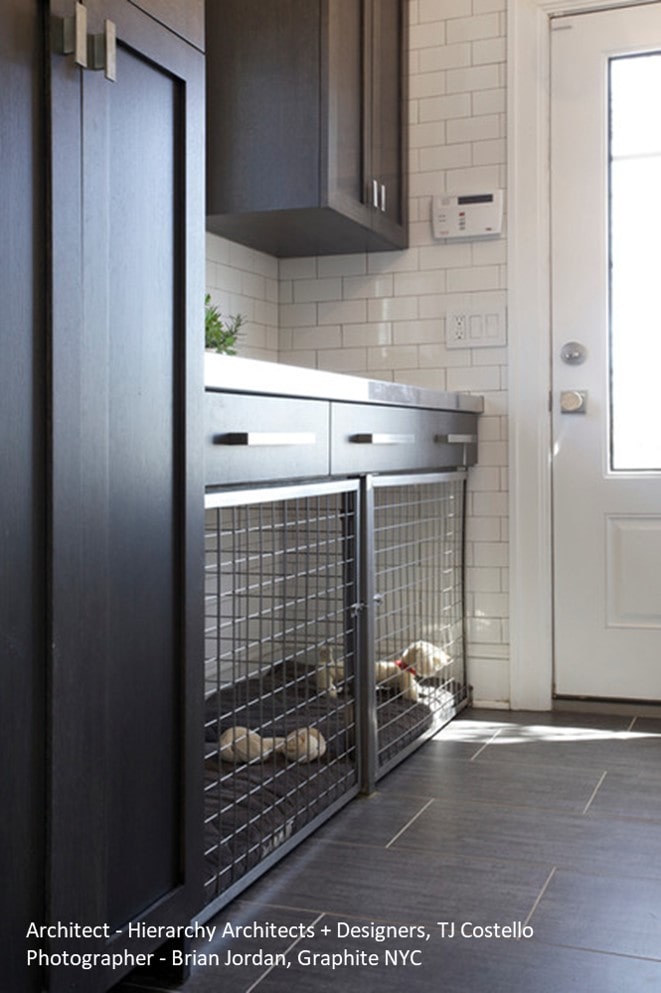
[(382, 439), (455, 439), (254, 439)]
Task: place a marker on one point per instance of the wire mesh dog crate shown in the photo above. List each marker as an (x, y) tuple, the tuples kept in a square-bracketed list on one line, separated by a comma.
[(418, 629), (334, 599), (280, 755)]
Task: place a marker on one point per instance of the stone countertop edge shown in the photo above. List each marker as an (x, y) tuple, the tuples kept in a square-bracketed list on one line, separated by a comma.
[(230, 373)]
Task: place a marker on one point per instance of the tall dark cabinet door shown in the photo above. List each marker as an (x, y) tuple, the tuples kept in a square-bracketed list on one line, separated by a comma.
[(127, 489), (22, 488)]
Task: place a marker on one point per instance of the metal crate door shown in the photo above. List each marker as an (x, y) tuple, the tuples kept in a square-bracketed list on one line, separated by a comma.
[(418, 592), (280, 725)]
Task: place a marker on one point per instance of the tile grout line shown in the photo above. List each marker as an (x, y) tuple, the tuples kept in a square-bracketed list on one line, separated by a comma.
[(541, 894), (485, 745), (594, 792), (409, 823), (286, 952)]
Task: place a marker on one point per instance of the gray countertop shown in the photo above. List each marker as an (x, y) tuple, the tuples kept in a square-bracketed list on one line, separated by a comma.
[(237, 375)]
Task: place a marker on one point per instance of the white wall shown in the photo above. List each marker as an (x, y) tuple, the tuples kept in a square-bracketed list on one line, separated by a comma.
[(383, 315)]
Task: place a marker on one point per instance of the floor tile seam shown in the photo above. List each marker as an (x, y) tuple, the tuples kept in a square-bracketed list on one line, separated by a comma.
[(536, 764), (457, 860), (411, 821), (597, 816), (594, 792), (485, 745), (540, 895), (457, 801), (596, 951), (462, 800), (517, 860), (349, 915), (320, 916), (568, 868)]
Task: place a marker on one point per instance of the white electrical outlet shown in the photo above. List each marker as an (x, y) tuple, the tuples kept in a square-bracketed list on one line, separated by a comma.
[(456, 328), (469, 327)]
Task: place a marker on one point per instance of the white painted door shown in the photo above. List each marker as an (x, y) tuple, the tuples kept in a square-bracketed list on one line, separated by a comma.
[(606, 314)]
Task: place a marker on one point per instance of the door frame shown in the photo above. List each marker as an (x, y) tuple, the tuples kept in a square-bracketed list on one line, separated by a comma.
[(529, 329)]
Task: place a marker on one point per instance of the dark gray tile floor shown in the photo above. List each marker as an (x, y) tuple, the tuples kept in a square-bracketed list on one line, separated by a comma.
[(548, 825)]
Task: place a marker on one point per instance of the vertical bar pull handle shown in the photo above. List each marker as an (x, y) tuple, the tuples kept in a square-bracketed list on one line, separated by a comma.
[(375, 193), (74, 35), (102, 49), (110, 33), (383, 196)]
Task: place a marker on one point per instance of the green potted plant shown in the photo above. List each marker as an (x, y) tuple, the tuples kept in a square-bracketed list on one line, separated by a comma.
[(220, 335)]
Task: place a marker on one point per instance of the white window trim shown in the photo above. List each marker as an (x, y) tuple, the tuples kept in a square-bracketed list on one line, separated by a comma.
[(528, 155)]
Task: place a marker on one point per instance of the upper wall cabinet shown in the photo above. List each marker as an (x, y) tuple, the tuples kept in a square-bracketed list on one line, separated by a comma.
[(306, 124)]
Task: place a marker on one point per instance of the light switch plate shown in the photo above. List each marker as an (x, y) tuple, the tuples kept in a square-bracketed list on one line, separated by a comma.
[(468, 327)]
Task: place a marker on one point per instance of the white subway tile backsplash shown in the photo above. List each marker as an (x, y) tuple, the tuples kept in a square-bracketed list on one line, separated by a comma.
[(447, 57), (473, 78), (342, 265), (347, 360), (434, 160), (432, 10), (393, 357), (392, 309), (431, 35), (408, 284), (473, 28), (489, 50), (326, 336), (473, 128), (342, 312), (367, 287), (309, 290), (300, 315), (474, 379), (444, 108), (297, 268), (375, 334), (426, 84), (382, 315)]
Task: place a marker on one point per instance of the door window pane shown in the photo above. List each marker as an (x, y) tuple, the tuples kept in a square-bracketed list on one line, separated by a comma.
[(635, 254)]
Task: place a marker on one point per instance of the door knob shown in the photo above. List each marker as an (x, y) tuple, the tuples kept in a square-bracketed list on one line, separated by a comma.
[(573, 353)]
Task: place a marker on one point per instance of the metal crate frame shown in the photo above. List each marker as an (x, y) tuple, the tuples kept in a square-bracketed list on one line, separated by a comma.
[(292, 647), (446, 696)]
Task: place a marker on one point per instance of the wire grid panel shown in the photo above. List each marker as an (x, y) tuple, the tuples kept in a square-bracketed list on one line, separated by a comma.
[(281, 574), (419, 622)]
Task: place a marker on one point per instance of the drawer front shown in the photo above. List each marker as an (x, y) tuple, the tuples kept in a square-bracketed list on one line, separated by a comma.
[(251, 438), (368, 438)]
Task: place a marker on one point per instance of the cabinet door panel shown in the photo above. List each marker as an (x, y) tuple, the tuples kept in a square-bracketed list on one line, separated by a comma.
[(347, 124), (22, 493), (143, 403), (127, 489), (186, 19), (388, 112)]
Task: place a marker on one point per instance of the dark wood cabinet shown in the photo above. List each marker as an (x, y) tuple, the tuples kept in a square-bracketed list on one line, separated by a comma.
[(306, 124), (101, 604)]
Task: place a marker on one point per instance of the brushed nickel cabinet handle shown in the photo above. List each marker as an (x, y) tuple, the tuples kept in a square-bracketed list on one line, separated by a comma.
[(74, 35), (382, 439), (102, 51), (455, 439), (254, 439)]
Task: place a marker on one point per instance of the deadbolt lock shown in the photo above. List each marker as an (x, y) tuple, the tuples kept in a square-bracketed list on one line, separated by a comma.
[(573, 401)]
